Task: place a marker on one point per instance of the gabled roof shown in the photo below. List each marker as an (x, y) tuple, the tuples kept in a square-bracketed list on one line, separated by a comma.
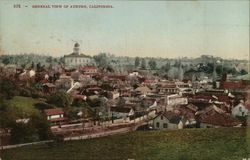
[(192, 107), (171, 116), (221, 119), (143, 89)]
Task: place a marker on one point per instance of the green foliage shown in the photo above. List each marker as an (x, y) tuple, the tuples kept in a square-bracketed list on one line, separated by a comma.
[(60, 99), (243, 72), (8, 87), (137, 61), (25, 92), (25, 105), (94, 102), (106, 87), (8, 114), (43, 105), (187, 144), (101, 59), (152, 64), (143, 63), (6, 60), (77, 102), (38, 128), (41, 126), (23, 133)]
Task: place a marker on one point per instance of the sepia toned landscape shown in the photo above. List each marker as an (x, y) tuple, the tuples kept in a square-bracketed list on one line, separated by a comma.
[(125, 84)]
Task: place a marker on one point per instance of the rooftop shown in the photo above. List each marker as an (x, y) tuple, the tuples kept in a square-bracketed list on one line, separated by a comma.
[(55, 111)]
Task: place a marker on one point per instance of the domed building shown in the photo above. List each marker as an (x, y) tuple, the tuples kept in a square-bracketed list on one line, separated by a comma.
[(76, 58)]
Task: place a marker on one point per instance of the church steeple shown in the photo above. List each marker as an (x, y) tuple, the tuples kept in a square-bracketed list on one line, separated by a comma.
[(76, 49)]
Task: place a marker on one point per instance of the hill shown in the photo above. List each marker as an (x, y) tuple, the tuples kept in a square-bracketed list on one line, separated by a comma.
[(187, 144)]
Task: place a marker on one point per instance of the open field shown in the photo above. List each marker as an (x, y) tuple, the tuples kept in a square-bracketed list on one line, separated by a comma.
[(25, 104), (187, 144)]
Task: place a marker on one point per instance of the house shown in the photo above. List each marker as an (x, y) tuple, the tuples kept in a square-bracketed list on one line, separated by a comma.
[(77, 76), (166, 120), (133, 73), (168, 87), (121, 112), (240, 110), (27, 74), (90, 70), (208, 111), (49, 88), (55, 116), (183, 86), (143, 90), (217, 120), (64, 82), (114, 94), (76, 58), (175, 99)]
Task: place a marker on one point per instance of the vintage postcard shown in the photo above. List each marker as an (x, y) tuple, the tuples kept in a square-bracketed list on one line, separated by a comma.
[(124, 80)]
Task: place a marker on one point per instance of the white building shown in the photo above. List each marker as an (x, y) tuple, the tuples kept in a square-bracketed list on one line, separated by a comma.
[(76, 58), (240, 110)]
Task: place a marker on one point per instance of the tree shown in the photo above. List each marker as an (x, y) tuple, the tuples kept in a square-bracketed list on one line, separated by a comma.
[(101, 59), (180, 73), (137, 61), (143, 64), (121, 102), (42, 127), (60, 99), (94, 102), (243, 72), (38, 67), (173, 73), (77, 102), (49, 59), (23, 133), (6, 60), (152, 64), (166, 67), (32, 65), (8, 87)]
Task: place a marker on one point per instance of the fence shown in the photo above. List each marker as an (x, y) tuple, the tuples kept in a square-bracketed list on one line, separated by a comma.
[(24, 144)]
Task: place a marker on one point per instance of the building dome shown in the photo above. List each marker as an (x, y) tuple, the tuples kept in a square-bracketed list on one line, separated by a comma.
[(77, 45)]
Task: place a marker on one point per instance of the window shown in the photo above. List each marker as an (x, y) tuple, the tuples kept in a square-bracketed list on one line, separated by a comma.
[(157, 124), (240, 109), (161, 117), (165, 125)]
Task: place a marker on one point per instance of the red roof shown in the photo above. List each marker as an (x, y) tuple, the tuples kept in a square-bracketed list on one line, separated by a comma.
[(55, 111), (44, 81), (118, 77), (221, 119), (90, 67), (78, 96), (234, 85)]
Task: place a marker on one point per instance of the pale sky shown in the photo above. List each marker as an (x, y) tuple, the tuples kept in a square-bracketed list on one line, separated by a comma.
[(166, 29)]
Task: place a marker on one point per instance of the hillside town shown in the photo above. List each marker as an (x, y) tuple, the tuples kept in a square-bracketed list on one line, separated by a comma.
[(80, 97)]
